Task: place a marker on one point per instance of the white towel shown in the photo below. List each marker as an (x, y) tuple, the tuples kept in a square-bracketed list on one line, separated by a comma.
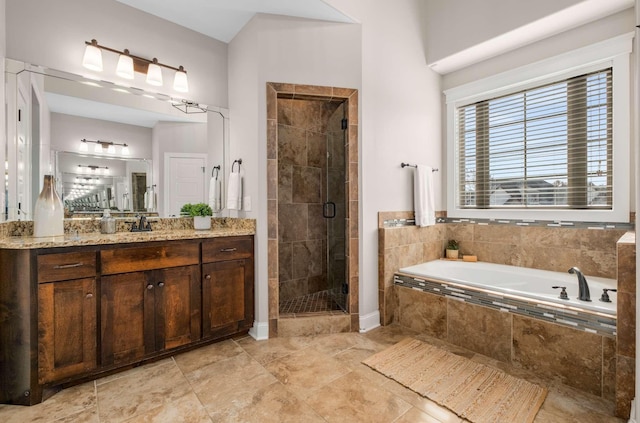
[(423, 197), (234, 191), (215, 194)]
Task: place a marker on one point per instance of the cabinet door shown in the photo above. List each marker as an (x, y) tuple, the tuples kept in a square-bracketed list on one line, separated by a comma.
[(127, 304), (177, 304), (67, 332), (223, 302)]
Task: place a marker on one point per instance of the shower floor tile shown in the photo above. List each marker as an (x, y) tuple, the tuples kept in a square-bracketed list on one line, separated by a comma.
[(317, 302)]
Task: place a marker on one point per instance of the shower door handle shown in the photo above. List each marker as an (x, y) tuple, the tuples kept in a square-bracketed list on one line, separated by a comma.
[(329, 210)]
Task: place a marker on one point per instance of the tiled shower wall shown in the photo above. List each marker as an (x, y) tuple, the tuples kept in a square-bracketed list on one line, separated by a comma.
[(307, 131)]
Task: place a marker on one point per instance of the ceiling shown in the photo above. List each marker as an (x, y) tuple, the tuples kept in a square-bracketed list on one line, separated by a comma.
[(223, 19)]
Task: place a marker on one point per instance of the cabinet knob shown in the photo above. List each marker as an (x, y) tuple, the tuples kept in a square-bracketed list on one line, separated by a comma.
[(160, 284), (150, 286), (207, 277), (89, 295)]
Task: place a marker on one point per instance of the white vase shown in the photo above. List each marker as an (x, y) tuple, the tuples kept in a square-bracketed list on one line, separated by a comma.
[(48, 213), (201, 223)]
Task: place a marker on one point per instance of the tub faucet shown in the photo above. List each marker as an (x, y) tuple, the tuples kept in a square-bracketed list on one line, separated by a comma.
[(583, 287)]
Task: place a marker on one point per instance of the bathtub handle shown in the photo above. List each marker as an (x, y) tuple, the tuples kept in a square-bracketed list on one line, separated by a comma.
[(563, 292), (605, 297)]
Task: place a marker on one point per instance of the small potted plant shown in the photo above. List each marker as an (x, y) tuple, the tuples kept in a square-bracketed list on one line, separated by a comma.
[(201, 213), (452, 249)]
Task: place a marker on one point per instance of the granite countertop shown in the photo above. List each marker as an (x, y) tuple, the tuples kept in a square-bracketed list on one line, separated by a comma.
[(86, 239)]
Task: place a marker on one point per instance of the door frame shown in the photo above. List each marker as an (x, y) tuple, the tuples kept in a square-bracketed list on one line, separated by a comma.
[(167, 175)]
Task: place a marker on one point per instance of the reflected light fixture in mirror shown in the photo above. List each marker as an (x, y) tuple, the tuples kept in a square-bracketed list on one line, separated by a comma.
[(101, 146), (129, 63), (92, 169)]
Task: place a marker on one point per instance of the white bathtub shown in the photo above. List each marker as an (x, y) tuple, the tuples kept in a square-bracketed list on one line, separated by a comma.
[(520, 282)]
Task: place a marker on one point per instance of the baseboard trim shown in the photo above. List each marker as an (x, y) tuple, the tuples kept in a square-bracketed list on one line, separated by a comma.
[(369, 321), (632, 415), (259, 331)]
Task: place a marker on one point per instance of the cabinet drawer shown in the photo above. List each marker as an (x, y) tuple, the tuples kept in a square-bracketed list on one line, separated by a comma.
[(227, 248), (66, 266), (136, 259)]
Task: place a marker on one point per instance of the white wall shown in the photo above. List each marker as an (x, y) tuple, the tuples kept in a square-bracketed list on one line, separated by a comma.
[(67, 131), (53, 34), (3, 129), (399, 110)]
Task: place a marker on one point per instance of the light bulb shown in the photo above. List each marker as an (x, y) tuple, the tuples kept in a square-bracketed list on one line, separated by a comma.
[(92, 57), (125, 150), (84, 147), (111, 149), (154, 74), (180, 82), (124, 69), (97, 148), (106, 171)]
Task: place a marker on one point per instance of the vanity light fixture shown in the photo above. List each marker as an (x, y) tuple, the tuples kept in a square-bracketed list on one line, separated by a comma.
[(129, 63), (188, 107), (94, 169), (101, 146)]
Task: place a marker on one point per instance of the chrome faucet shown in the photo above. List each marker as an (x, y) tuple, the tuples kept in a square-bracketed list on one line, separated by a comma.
[(583, 287)]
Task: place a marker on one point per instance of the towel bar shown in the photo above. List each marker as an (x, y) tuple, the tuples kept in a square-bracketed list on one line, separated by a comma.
[(435, 169)]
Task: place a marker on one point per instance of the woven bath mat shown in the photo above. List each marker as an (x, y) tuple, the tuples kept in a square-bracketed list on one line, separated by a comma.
[(473, 391)]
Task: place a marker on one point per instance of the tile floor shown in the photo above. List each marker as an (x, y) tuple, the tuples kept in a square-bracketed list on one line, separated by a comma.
[(308, 379), (311, 303)]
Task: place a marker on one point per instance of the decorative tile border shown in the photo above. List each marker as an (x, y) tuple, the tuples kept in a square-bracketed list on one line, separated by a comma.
[(588, 322), (391, 223)]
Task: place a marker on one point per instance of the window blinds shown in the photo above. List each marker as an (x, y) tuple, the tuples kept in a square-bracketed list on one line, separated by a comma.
[(545, 147)]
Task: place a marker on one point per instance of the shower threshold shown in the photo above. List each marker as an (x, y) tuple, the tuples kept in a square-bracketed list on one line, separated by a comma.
[(317, 302)]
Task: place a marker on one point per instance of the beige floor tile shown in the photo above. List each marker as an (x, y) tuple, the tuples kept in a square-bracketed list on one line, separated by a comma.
[(353, 358), (335, 343), (353, 398), (140, 390), (305, 371), (64, 404), (229, 385), (192, 360), (415, 415), (272, 404), (128, 373), (86, 416), (389, 335), (271, 349), (441, 414), (186, 409)]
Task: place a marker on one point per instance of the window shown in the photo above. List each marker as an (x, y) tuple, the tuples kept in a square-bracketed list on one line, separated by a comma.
[(546, 141), (544, 147)]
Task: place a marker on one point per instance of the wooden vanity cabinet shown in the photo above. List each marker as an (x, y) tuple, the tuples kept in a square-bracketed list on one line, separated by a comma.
[(153, 310), (67, 315), (74, 313), (227, 286)]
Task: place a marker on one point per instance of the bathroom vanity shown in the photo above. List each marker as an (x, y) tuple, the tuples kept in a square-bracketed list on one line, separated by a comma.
[(82, 308)]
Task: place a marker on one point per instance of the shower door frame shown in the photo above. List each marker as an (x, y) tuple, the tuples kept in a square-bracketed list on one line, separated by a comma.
[(311, 92)]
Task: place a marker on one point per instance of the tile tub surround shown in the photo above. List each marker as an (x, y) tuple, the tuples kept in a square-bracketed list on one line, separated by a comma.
[(626, 345), (557, 353), (274, 92)]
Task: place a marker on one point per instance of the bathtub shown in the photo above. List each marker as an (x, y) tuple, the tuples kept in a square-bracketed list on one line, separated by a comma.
[(517, 290)]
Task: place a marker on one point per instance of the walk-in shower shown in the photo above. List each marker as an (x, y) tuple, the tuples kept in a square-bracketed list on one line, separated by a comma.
[(312, 205)]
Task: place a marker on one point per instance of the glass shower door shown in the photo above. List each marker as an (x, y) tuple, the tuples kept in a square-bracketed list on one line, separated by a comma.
[(334, 209)]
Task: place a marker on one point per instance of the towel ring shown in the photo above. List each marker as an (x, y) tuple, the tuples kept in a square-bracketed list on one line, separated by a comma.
[(217, 170), (239, 161)]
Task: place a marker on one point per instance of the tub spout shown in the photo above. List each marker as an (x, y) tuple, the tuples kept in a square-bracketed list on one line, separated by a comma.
[(583, 287)]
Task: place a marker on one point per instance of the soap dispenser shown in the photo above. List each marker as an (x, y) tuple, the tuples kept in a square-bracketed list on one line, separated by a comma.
[(107, 223)]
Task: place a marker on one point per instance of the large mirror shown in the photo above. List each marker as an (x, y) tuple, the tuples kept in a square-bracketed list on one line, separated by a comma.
[(108, 146)]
